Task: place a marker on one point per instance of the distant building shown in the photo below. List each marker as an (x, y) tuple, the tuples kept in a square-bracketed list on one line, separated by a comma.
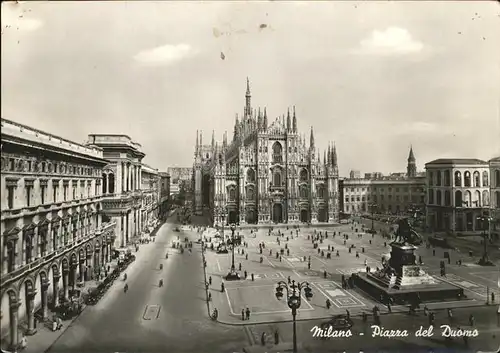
[(150, 189), (393, 194), (164, 193), (495, 194), (355, 174), (180, 177), (458, 193)]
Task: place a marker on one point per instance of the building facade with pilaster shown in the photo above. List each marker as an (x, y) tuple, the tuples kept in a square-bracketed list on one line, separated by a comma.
[(53, 238), (122, 182), (150, 183), (458, 192)]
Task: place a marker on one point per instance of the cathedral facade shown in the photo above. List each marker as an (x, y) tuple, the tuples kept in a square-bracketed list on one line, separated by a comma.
[(265, 174)]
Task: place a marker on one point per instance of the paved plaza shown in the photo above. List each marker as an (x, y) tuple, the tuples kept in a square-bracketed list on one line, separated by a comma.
[(258, 295)]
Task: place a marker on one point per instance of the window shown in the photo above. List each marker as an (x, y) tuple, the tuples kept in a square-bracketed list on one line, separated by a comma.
[(74, 192), (374, 198), (65, 191), (10, 196), (303, 192), (447, 198), (28, 195), (303, 175), (28, 243), (42, 193), (277, 178), (11, 256), (438, 197), (458, 178), (431, 178), (347, 199), (467, 181), (431, 197), (232, 195), (55, 240), (54, 191), (397, 189), (250, 193), (42, 233), (438, 178), (447, 178), (497, 178), (477, 198), (277, 153), (251, 176), (486, 198), (485, 178), (477, 179), (458, 198)]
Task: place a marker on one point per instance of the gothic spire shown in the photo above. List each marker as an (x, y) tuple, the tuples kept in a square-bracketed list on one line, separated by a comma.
[(411, 156), (248, 98), (265, 119), (334, 155), (213, 139), (324, 157), (197, 141), (294, 128), (224, 140), (201, 137), (311, 142), (288, 124)]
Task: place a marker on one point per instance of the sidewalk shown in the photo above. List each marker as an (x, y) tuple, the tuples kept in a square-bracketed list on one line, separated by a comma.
[(44, 338)]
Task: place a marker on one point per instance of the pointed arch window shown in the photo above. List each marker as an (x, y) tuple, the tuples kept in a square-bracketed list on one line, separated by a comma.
[(303, 192), (277, 178), (11, 255), (28, 235), (232, 195), (250, 193), (277, 153), (303, 176), (251, 176)]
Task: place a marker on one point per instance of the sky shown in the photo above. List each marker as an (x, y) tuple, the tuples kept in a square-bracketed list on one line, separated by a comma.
[(374, 77)]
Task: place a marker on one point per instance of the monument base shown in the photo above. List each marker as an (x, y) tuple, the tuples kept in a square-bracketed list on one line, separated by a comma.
[(404, 281), (232, 276), (405, 294)]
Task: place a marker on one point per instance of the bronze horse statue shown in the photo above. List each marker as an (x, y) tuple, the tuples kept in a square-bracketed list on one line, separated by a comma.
[(406, 234)]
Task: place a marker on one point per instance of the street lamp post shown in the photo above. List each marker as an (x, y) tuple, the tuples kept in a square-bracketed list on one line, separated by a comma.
[(372, 206), (293, 296), (485, 260), (232, 275)]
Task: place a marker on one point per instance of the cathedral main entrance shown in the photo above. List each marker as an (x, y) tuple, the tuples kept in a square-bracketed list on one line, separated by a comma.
[(277, 213), (233, 217), (251, 217), (322, 215), (205, 190), (304, 216)]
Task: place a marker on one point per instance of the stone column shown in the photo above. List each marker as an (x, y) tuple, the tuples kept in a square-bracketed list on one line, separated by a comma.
[(66, 284), (88, 268), (103, 251), (45, 307), (14, 318), (55, 287), (108, 252), (106, 180), (97, 262), (127, 227), (30, 312)]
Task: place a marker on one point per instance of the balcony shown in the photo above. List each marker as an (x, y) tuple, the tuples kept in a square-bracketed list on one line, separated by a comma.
[(40, 261)]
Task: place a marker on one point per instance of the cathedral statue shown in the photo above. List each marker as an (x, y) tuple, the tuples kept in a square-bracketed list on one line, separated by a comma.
[(405, 234)]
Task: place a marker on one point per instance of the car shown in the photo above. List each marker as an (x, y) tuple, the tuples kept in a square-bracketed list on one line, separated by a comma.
[(337, 323)]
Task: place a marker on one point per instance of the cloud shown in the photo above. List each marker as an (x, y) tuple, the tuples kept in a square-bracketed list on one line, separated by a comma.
[(165, 55), (18, 17), (393, 40)]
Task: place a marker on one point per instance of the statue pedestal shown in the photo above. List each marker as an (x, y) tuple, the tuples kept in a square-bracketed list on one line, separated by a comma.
[(403, 280)]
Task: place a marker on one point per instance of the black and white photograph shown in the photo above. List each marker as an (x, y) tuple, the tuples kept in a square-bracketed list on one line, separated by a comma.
[(250, 176)]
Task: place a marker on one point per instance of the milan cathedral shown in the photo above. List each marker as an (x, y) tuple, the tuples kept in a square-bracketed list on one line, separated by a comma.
[(266, 174)]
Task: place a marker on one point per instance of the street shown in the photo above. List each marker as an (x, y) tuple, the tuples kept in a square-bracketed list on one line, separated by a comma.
[(152, 319)]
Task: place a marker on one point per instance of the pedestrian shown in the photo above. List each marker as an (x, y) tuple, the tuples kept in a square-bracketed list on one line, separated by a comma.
[(24, 343), (328, 304), (248, 313), (348, 313), (492, 297), (263, 339), (240, 266), (243, 314), (253, 279), (276, 337), (246, 256), (289, 280)]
